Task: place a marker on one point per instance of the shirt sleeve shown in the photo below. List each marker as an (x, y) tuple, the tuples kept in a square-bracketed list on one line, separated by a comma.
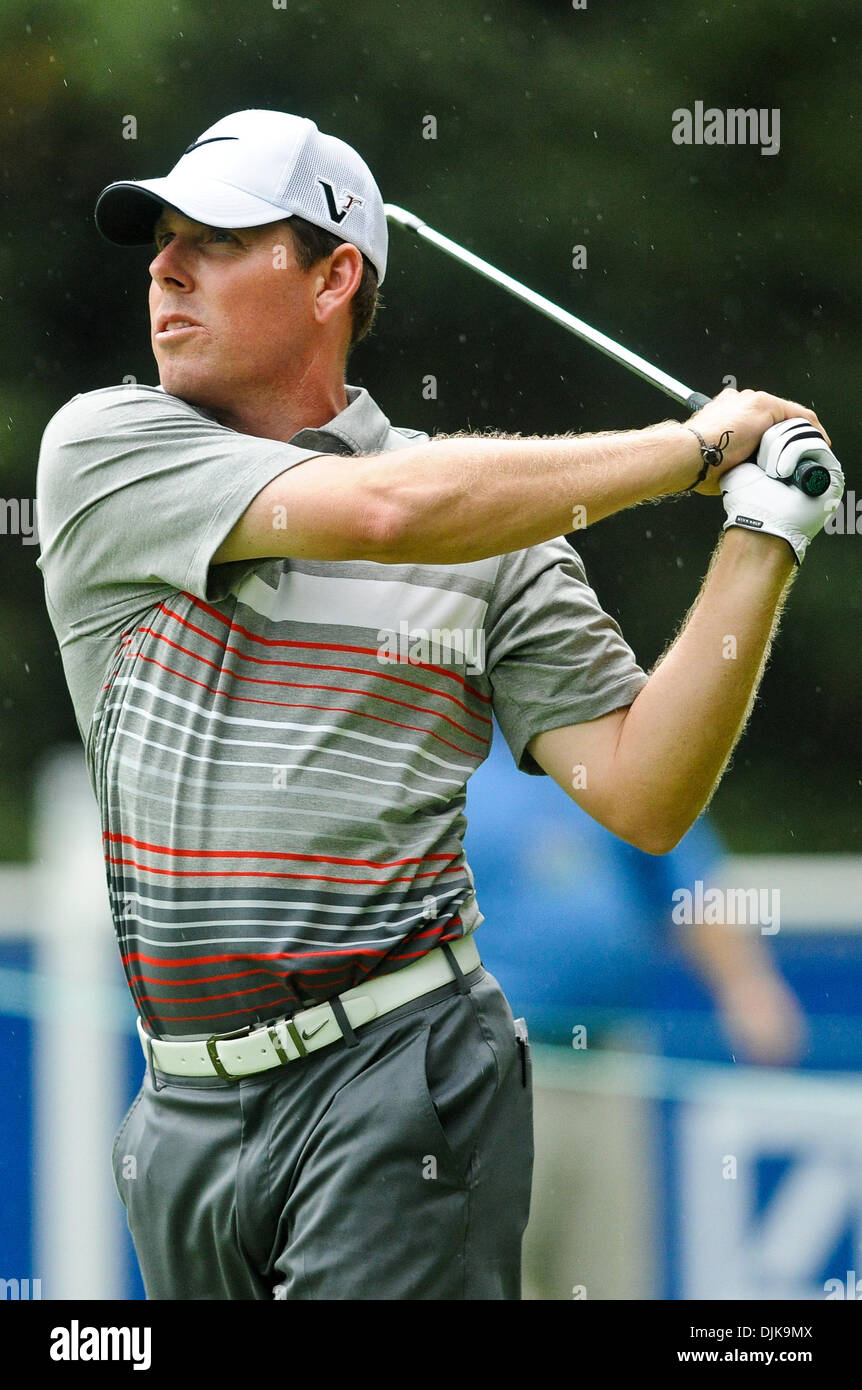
[(553, 655), (136, 490)]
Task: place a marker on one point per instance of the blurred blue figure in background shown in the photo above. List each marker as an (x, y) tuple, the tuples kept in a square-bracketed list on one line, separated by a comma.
[(575, 918)]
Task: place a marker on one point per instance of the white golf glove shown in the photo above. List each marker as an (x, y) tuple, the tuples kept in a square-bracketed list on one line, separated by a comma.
[(787, 443), (755, 497)]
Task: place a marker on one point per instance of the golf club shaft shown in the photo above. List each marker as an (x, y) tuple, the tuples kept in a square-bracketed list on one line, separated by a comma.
[(811, 477), (671, 387)]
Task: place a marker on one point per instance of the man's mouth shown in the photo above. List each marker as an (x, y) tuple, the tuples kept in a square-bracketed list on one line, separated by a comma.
[(175, 328)]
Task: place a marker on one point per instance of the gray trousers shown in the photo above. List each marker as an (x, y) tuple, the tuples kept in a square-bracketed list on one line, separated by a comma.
[(398, 1168)]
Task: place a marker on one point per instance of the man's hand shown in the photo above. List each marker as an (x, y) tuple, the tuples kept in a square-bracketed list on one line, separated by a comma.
[(746, 416), (760, 503), (788, 443)]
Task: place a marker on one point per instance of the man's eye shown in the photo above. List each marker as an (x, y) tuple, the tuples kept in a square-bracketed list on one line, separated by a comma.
[(217, 234)]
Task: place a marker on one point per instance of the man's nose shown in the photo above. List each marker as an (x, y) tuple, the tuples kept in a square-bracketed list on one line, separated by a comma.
[(172, 266)]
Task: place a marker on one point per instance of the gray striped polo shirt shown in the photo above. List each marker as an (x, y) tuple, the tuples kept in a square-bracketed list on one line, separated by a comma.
[(280, 748)]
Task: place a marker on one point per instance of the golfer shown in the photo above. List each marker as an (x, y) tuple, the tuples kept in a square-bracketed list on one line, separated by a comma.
[(285, 626)]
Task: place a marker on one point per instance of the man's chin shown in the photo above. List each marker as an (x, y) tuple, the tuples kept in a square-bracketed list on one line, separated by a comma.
[(193, 387)]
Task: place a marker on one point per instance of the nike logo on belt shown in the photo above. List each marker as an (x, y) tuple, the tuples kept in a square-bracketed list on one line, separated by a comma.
[(310, 1032)]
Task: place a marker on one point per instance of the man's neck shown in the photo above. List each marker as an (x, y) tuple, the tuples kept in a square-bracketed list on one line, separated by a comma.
[(280, 413)]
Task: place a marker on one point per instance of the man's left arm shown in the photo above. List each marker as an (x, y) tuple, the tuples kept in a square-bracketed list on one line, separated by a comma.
[(648, 770)]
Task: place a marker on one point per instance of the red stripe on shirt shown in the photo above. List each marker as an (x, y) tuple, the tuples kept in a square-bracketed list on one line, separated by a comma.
[(307, 646), (312, 666), (326, 709)]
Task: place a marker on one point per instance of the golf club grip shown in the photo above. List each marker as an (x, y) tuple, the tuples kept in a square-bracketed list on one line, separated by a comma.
[(809, 476)]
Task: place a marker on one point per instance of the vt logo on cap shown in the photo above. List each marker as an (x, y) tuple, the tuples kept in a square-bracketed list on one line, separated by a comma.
[(254, 167), (349, 200)]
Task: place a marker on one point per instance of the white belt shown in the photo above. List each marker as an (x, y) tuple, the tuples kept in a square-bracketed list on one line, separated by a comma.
[(288, 1039)]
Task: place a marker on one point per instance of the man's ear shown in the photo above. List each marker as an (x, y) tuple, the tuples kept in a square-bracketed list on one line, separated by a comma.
[(339, 277)]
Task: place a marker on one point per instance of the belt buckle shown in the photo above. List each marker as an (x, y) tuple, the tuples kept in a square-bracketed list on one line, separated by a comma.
[(271, 1031), (212, 1052)]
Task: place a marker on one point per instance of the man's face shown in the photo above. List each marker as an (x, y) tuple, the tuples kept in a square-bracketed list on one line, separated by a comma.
[(250, 306)]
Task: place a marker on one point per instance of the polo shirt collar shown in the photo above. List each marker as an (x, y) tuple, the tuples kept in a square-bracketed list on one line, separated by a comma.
[(361, 426)]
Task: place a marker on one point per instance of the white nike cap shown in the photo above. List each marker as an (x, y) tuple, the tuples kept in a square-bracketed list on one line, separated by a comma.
[(251, 168)]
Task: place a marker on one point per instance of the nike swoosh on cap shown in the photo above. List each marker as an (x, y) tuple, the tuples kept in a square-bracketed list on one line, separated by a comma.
[(213, 140)]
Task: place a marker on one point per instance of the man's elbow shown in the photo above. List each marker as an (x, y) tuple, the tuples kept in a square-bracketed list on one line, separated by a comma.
[(651, 838), (659, 846), (639, 828)]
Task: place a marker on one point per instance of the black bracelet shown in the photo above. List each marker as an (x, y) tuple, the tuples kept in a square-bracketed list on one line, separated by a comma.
[(712, 454)]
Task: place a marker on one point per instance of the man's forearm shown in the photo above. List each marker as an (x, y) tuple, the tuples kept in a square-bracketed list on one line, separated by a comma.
[(450, 500), (679, 733), (727, 957), (466, 498)]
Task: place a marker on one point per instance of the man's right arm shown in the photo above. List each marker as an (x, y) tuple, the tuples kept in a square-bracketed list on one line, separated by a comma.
[(453, 500)]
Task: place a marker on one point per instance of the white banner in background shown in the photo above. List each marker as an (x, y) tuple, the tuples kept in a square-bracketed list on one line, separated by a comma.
[(770, 1189)]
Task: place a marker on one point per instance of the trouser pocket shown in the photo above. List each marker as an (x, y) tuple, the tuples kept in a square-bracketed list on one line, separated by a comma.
[(124, 1165)]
